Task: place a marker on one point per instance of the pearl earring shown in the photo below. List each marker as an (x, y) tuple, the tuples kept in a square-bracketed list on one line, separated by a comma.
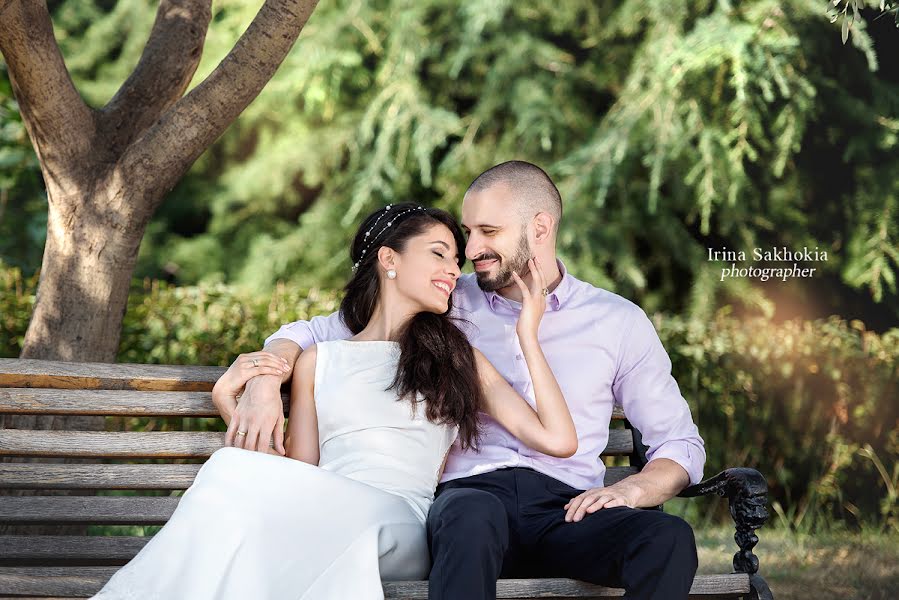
[(391, 274)]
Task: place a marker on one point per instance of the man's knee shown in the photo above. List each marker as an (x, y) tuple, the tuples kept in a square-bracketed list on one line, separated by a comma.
[(677, 531), (674, 537), (469, 514)]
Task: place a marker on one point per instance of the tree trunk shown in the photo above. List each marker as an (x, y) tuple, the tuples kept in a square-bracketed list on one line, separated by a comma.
[(88, 261), (107, 170), (84, 283)]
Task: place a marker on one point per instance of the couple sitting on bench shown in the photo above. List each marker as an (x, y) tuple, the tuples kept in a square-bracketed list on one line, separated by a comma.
[(426, 376)]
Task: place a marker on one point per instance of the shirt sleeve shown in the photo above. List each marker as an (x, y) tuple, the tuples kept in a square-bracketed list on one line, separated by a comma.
[(307, 333), (652, 400)]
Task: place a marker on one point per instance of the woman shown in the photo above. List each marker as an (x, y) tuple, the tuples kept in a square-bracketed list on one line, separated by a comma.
[(372, 421)]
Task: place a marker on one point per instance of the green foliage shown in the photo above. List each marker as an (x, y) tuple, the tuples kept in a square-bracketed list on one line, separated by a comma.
[(23, 204), (850, 21), (212, 324), (670, 126), (809, 404)]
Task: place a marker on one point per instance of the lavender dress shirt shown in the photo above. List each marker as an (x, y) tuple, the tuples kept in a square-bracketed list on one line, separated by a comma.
[(603, 350)]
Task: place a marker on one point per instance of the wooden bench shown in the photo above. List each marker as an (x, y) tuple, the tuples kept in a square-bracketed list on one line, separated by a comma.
[(155, 466)]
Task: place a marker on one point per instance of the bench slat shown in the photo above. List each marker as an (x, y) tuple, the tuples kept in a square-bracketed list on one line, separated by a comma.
[(26, 401), (85, 581), (46, 401), (110, 444), (48, 476), (105, 510), (733, 584), (162, 444), (97, 477), (31, 373), (70, 547)]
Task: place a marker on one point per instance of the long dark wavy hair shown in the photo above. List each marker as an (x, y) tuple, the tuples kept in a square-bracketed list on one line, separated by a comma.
[(437, 363)]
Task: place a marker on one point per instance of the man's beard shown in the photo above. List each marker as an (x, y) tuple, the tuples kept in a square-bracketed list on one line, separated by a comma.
[(518, 263)]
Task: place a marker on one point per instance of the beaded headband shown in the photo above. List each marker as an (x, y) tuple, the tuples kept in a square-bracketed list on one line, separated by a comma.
[(369, 239)]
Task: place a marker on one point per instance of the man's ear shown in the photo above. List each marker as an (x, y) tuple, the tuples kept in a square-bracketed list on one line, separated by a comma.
[(387, 258), (543, 228)]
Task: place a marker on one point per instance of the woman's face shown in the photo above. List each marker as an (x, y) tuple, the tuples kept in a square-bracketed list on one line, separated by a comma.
[(427, 269)]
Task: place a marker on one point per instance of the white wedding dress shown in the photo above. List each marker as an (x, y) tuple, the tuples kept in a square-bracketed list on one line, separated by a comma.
[(257, 526)]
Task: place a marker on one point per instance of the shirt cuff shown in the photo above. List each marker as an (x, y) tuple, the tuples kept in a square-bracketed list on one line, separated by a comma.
[(684, 453), (299, 333)]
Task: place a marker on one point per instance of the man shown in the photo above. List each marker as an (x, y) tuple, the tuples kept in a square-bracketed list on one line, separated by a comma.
[(508, 510)]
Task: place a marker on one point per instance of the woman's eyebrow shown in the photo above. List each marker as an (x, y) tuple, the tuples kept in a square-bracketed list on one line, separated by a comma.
[(445, 245)]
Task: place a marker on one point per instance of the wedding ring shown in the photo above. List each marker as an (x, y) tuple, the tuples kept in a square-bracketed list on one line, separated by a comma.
[(241, 433), (545, 292), (255, 362)]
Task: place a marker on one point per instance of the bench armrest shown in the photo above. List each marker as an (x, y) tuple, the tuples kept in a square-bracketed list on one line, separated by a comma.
[(747, 495)]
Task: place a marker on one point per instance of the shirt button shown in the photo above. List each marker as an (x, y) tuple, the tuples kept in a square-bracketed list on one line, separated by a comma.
[(518, 357)]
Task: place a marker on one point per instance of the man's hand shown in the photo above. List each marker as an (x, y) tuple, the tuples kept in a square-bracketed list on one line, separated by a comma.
[(260, 414), (659, 481), (620, 494)]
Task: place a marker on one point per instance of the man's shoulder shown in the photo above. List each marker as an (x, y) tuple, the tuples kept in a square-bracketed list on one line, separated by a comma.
[(583, 293)]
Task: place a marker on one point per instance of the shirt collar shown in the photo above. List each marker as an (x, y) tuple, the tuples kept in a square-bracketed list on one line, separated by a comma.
[(554, 301)]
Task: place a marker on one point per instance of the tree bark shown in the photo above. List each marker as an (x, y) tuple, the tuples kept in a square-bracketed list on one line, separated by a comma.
[(106, 171)]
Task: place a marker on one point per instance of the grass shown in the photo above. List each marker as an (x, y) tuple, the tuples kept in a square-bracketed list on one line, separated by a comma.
[(823, 566)]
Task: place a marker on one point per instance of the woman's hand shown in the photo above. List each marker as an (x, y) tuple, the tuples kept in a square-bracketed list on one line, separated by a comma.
[(244, 368), (533, 303)]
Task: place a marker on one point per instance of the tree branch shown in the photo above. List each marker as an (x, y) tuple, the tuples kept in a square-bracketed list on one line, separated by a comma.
[(166, 66), (167, 149), (60, 124)]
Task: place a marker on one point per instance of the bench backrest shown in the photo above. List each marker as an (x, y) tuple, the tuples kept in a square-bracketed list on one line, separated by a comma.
[(151, 466)]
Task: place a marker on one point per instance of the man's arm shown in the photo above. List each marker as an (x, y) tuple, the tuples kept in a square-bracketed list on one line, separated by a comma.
[(653, 404), (258, 418)]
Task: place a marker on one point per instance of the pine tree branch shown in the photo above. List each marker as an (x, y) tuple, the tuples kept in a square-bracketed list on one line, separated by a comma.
[(168, 63), (166, 151), (60, 124)]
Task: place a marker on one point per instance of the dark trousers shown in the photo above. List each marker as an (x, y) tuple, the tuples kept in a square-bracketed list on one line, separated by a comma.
[(510, 523)]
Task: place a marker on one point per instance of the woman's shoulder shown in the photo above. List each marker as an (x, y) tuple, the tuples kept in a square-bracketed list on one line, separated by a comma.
[(306, 360)]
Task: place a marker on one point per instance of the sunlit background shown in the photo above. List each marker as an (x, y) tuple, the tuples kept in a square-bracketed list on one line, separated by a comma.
[(670, 127)]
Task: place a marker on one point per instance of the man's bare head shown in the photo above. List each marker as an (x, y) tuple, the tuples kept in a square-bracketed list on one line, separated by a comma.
[(530, 187), (510, 214)]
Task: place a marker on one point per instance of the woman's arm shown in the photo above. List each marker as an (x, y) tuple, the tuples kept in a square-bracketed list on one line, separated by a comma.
[(550, 429), (302, 426)]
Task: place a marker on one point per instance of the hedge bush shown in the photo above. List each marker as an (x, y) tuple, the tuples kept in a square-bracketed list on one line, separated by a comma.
[(811, 404)]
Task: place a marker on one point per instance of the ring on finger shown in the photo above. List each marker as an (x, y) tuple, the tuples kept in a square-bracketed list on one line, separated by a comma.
[(255, 362), (545, 292), (243, 433)]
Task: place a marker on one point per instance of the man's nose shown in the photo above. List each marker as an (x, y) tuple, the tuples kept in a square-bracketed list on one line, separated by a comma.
[(473, 247)]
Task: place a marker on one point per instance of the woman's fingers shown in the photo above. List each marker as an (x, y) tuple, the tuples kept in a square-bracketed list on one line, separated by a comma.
[(262, 355), (233, 437), (252, 437), (540, 275), (520, 282), (279, 437), (230, 434), (266, 362)]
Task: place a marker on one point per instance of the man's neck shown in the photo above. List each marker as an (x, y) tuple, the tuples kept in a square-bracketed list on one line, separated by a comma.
[(553, 276)]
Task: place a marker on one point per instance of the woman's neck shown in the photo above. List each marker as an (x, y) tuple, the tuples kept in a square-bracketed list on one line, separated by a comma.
[(385, 324)]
